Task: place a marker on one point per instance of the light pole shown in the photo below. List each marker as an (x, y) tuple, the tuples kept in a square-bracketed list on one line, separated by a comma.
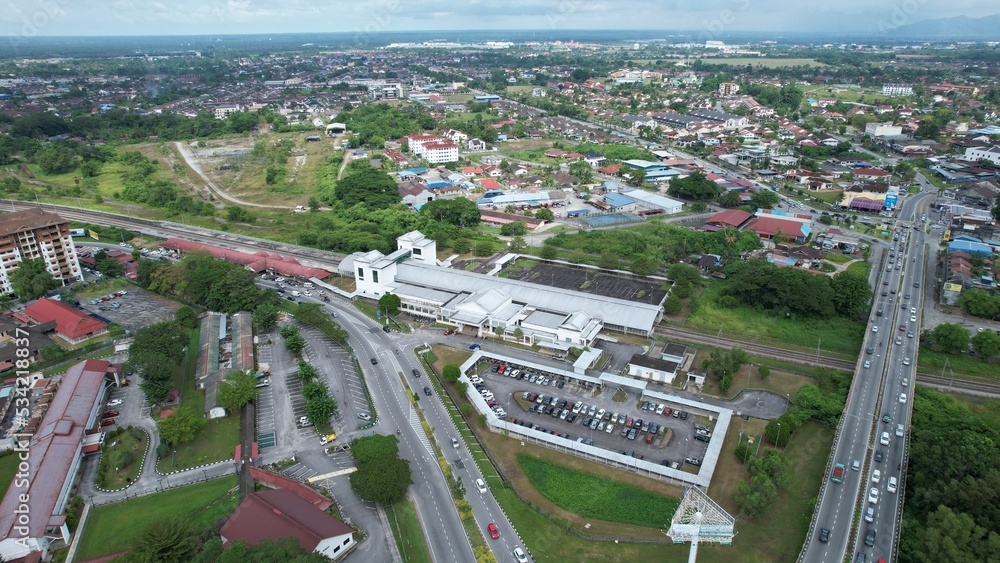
[(778, 441)]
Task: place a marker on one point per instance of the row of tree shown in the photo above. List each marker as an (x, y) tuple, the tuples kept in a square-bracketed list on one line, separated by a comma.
[(155, 352), (382, 476), (765, 286), (954, 339), (205, 281)]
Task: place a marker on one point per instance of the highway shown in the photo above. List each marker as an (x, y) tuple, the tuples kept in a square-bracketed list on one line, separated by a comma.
[(891, 344)]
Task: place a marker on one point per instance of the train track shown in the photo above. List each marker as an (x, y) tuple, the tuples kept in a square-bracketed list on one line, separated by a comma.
[(810, 359), (329, 261)]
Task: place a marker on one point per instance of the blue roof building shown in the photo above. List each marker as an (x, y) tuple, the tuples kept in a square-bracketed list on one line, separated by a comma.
[(969, 247), (618, 201)]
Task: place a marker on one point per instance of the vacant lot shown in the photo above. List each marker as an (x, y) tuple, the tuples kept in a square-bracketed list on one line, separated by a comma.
[(587, 280), (596, 497), (112, 527)]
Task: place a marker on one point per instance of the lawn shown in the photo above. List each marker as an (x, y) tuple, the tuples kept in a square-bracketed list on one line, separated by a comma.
[(102, 288), (860, 268), (779, 382), (112, 527), (409, 535), (964, 366), (8, 468), (839, 336), (778, 534), (596, 497), (121, 460), (838, 257)]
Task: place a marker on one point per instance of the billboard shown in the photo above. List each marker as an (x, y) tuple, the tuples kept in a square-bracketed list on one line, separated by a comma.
[(93, 235)]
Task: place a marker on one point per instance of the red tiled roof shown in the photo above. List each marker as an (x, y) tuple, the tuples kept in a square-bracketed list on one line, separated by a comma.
[(730, 218), (769, 226), (280, 481), (257, 262), (279, 513), (54, 448), (489, 184), (71, 323)]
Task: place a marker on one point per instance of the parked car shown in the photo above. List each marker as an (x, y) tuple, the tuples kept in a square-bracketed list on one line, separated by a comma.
[(364, 416), (115, 402), (109, 421), (110, 414), (494, 532)]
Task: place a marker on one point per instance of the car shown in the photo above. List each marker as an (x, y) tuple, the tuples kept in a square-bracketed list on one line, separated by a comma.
[(109, 421), (902, 328), (876, 476), (906, 296), (916, 284), (906, 361), (913, 310), (873, 495), (885, 282), (878, 313), (645, 426), (902, 397), (869, 350), (878, 456), (892, 291), (899, 430), (427, 391), (906, 382), (364, 416), (649, 438), (870, 537), (702, 438), (632, 433), (600, 413), (304, 421), (609, 428), (909, 335), (454, 442), (692, 460), (856, 465), (824, 535), (416, 373), (913, 318), (885, 418), (683, 415), (520, 556), (868, 364), (899, 341), (884, 440), (494, 532), (891, 485), (115, 402), (874, 329), (870, 514), (374, 361), (659, 409), (668, 411)]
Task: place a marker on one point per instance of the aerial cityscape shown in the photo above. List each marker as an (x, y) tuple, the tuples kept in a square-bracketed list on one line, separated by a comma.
[(531, 281)]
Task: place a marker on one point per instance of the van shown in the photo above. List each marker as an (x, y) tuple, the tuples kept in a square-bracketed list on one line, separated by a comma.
[(296, 294), (308, 285)]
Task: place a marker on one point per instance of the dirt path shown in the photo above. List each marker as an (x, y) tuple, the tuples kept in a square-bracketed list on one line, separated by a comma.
[(191, 163), (343, 165)]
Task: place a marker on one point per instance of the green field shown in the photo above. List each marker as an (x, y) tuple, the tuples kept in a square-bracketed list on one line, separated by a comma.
[(594, 497), (111, 527), (838, 335), (963, 366), (8, 468), (409, 535)]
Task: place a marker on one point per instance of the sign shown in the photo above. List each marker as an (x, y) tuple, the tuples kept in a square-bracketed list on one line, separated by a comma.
[(93, 234)]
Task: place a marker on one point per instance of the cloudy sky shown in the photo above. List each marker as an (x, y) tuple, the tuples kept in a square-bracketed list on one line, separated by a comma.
[(182, 17)]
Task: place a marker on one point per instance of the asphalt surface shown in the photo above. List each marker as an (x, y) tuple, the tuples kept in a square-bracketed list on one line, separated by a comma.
[(876, 391)]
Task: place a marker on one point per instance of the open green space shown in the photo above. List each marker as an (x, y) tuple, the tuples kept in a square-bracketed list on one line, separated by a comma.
[(859, 268), (102, 288), (962, 365), (592, 496), (838, 257), (409, 535), (121, 459), (841, 337), (112, 527), (8, 468)]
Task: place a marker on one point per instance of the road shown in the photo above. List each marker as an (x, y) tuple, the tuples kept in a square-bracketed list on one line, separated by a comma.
[(876, 391)]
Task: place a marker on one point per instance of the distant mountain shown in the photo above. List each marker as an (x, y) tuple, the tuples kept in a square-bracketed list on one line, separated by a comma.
[(957, 28)]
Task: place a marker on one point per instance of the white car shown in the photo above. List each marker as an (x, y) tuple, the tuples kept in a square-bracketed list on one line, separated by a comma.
[(115, 402), (364, 416), (520, 556), (899, 430), (891, 486), (913, 318), (884, 440), (873, 496), (609, 428), (600, 413), (481, 485), (902, 397), (307, 293), (876, 476), (913, 310), (874, 329), (906, 361), (867, 364)]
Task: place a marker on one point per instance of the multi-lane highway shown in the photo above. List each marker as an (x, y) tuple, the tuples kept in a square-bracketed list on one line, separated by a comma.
[(882, 390)]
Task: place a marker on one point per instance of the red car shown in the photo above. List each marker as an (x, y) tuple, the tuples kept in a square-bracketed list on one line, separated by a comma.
[(494, 532), (109, 421), (110, 414), (449, 332)]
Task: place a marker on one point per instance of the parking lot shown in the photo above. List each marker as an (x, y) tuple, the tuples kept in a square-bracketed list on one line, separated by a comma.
[(589, 281), (134, 309), (677, 439)]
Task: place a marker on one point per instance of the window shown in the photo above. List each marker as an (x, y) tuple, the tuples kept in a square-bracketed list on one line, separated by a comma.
[(347, 540), (416, 251), (374, 276), (361, 273)]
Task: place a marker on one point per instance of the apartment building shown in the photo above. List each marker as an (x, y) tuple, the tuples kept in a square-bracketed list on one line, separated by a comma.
[(32, 234)]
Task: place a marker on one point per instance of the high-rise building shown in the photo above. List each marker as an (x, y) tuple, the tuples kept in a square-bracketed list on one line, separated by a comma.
[(34, 234)]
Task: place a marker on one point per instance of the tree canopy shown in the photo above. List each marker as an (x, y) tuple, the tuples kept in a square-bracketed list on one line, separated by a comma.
[(382, 476), (238, 389), (180, 427), (460, 212), (369, 186), (153, 354), (31, 280), (695, 187)]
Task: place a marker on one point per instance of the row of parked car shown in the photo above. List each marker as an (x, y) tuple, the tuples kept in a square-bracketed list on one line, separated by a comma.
[(529, 375), (486, 394), (108, 297)]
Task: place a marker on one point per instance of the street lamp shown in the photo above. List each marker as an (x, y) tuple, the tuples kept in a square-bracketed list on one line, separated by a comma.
[(778, 441)]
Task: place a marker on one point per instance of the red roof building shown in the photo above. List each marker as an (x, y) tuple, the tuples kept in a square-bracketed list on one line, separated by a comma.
[(279, 481), (769, 227), (55, 451), (871, 174), (72, 324), (279, 513), (489, 184), (258, 262), (728, 219)]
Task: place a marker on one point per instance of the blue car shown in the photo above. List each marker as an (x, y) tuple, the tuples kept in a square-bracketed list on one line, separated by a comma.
[(474, 347)]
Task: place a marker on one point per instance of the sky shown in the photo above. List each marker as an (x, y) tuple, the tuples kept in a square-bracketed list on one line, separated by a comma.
[(212, 17)]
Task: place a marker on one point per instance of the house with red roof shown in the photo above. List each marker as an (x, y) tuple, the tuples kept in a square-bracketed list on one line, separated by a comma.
[(728, 219), (768, 227), (72, 324), (280, 513), (871, 174), (489, 184)]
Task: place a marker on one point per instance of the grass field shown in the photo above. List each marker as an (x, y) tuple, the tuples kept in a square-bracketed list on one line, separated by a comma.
[(112, 474), (962, 365), (841, 337), (859, 268), (103, 288), (763, 62), (596, 497), (112, 527), (8, 468), (409, 535), (838, 257)]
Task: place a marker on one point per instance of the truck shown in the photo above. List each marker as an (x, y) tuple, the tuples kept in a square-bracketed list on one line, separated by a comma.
[(296, 294), (838, 473), (328, 438)]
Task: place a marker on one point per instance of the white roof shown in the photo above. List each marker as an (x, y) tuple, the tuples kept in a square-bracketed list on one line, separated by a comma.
[(611, 311), (654, 199)]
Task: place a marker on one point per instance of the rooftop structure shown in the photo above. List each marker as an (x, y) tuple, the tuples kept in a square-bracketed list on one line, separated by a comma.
[(72, 324)]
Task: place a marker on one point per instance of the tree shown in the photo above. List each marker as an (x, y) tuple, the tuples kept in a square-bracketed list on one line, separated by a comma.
[(517, 245), (672, 304), (320, 410), (636, 177), (31, 280), (851, 294), (950, 338), (381, 476), (545, 214), (730, 199), (186, 317), (108, 266), (265, 315), (978, 303), (764, 372), (166, 539), (695, 187), (313, 204), (369, 186), (179, 427), (451, 373), (238, 389), (460, 212), (240, 215), (548, 251), (295, 343), (89, 168), (764, 199), (582, 170), (986, 344), (55, 158), (306, 372), (516, 228), (10, 185), (389, 304)]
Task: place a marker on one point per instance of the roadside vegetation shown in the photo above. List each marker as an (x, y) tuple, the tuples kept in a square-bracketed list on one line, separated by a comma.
[(121, 457)]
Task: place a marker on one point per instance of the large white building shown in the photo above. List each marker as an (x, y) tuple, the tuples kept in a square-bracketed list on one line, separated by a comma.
[(432, 148), (883, 129), (528, 312), (897, 90), (37, 234), (991, 154)]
